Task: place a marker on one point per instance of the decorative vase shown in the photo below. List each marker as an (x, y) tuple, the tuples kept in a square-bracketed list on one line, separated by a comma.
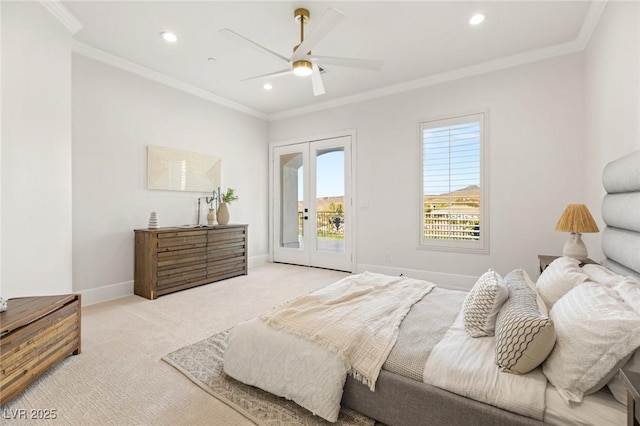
[(211, 217), (223, 214), (153, 221)]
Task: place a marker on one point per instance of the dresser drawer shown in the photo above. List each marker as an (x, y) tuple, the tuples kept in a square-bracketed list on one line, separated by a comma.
[(171, 259), (178, 242)]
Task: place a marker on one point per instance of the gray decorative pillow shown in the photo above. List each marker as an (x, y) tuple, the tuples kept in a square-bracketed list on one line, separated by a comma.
[(483, 303), (525, 335)]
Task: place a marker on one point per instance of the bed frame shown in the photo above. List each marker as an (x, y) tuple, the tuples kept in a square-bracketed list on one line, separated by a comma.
[(398, 400)]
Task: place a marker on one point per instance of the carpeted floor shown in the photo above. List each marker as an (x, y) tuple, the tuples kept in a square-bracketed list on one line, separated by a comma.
[(202, 363), (119, 378)]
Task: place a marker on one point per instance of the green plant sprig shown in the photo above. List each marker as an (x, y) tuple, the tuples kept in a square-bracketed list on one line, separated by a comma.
[(229, 196)]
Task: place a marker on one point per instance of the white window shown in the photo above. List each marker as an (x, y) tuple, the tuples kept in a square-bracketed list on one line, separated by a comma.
[(453, 194)]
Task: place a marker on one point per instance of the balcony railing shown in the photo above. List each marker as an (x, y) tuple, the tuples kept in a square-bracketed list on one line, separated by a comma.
[(329, 224), (451, 227)]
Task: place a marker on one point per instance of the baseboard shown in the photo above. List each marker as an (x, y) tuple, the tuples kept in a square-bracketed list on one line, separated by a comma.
[(118, 290), (105, 293), (441, 279), (254, 261)]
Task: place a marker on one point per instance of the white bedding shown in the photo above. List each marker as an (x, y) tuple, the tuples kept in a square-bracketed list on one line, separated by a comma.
[(347, 327), (599, 408), (303, 371), (286, 365), (357, 318), (466, 366)]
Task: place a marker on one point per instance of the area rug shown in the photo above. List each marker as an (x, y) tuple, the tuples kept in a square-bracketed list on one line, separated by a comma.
[(202, 363)]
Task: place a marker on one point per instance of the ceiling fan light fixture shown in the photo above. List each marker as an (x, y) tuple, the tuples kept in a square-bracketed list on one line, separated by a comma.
[(302, 68), (169, 37), (477, 19)]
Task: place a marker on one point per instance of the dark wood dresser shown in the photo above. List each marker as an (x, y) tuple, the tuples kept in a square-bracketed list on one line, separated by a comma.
[(35, 334), (173, 259)]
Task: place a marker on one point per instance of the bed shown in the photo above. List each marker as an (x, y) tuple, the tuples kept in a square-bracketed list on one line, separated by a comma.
[(442, 365)]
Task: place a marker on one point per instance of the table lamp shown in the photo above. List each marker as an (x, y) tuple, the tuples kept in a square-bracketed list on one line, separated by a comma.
[(577, 220)]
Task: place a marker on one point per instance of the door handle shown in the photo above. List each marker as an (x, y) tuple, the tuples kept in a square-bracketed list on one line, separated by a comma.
[(306, 218)]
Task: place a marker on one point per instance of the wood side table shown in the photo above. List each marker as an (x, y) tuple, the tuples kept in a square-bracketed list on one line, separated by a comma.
[(632, 383), (35, 334)]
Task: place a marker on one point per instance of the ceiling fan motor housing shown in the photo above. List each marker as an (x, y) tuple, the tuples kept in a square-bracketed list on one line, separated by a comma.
[(301, 14)]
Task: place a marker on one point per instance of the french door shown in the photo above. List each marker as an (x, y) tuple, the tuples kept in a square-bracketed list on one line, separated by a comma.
[(312, 212)]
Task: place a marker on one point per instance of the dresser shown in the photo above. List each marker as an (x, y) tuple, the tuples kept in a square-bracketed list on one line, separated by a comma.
[(35, 334), (173, 259)]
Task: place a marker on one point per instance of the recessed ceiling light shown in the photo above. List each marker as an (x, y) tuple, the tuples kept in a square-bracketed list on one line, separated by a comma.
[(476, 19), (268, 86), (169, 37)]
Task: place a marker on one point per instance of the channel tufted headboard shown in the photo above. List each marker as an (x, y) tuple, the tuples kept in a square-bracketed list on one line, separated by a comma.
[(621, 214)]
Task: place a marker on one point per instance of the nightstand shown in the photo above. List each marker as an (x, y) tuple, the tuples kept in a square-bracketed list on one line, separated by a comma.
[(632, 383), (545, 260)]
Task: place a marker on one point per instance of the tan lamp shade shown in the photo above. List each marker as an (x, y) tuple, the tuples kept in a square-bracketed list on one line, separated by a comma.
[(576, 219)]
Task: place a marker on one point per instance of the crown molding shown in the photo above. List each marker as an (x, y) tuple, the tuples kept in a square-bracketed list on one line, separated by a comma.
[(508, 62), (590, 22), (118, 62), (64, 15), (576, 45)]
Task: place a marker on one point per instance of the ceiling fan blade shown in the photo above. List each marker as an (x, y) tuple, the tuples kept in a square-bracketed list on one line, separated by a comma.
[(327, 21), (367, 64), (234, 35), (271, 75), (316, 80)]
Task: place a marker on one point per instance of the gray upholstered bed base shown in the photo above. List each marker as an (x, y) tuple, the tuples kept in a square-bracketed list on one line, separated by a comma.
[(399, 401)]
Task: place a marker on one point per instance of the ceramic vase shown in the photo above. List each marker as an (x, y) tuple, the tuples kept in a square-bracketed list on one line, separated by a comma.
[(223, 214), (211, 217), (153, 221)]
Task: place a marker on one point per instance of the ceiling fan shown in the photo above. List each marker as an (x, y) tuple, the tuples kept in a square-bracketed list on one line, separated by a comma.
[(302, 62)]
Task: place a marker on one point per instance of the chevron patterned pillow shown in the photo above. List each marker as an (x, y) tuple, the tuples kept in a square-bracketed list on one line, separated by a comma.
[(482, 304), (525, 335)]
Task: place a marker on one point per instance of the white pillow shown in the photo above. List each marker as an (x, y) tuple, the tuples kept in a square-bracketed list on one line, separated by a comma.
[(559, 278), (596, 331), (601, 274), (482, 304), (628, 290)]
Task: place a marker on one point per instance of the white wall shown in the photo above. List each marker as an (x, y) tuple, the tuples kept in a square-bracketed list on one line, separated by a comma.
[(612, 97), (536, 166), (116, 114), (36, 152)]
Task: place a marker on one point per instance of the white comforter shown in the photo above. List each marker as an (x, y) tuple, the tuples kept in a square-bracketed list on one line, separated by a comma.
[(465, 366), (347, 327), (313, 376), (286, 365)]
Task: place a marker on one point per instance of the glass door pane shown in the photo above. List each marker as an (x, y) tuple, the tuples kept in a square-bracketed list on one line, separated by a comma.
[(330, 196), (291, 200)]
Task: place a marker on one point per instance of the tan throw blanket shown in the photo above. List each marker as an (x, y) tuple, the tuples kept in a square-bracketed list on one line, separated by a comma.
[(357, 318)]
